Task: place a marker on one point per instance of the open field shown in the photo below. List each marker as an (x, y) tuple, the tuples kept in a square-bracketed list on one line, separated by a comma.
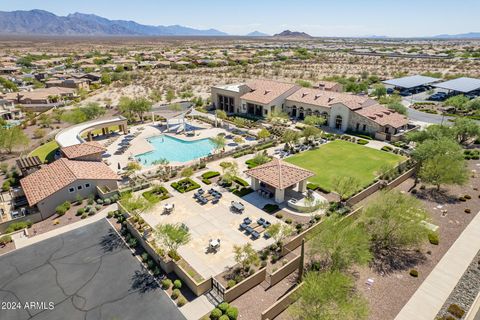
[(341, 158)]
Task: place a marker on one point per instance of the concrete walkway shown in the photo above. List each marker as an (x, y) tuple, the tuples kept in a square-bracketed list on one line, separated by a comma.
[(25, 241), (429, 298)]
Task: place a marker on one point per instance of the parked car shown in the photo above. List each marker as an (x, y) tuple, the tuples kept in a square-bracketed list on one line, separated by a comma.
[(439, 96)]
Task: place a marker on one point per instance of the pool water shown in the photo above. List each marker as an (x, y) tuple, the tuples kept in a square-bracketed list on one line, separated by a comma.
[(174, 149)]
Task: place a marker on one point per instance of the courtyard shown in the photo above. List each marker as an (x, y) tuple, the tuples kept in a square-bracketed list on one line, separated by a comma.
[(211, 221), (342, 158), (76, 276)]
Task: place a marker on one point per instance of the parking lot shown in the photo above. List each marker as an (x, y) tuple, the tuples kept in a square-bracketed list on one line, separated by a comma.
[(86, 273)]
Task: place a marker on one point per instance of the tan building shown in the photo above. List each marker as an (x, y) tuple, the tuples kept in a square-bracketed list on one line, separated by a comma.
[(257, 98), (69, 83), (87, 151), (342, 111), (65, 180), (41, 96)]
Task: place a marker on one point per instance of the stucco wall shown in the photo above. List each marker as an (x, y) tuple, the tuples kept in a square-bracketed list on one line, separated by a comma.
[(47, 206), (339, 110)]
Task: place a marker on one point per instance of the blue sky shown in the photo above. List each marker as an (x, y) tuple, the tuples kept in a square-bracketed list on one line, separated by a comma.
[(319, 18)]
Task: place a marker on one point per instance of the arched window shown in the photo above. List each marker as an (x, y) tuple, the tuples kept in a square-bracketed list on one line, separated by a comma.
[(338, 122)]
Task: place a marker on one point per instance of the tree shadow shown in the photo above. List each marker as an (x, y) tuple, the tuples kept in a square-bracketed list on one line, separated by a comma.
[(438, 196), (143, 282), (111, 242), (395, 259)]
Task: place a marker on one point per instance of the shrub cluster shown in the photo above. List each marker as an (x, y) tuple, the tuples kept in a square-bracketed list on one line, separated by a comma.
[(63, 208)]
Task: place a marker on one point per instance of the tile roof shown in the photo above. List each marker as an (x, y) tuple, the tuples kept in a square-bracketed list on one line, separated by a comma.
[(83, 149), (279, 174), (59, 174), (383, 116), (326, 99), (265, 91)]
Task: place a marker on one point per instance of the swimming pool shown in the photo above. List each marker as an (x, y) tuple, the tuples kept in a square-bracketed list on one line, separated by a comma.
[(174, 149)]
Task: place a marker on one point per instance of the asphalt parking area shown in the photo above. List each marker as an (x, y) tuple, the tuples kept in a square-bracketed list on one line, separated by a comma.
[(86, 274)]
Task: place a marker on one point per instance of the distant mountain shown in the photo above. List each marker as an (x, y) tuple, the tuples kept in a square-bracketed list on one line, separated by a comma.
[(292, 34), (470, 35), (257, 34), (40, 22)]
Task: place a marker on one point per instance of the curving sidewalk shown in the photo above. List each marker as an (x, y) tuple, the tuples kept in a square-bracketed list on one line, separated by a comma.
[(429, 298)]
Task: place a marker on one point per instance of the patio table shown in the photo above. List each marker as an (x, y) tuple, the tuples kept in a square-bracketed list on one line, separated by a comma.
[(168, 206), (238, 206), (214, 243)]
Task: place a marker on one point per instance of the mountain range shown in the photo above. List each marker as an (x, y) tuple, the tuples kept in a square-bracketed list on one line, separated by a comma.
[(40, 22), (470, 35)]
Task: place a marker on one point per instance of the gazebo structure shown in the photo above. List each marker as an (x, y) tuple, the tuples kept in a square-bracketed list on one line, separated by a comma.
[(278, 177)]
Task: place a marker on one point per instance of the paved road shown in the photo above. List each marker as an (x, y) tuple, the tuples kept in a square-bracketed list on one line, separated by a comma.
[(424, 117), (86, 274)]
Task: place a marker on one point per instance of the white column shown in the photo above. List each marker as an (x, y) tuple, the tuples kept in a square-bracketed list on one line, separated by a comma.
[(302, 186), (279, 195), (255, 184)]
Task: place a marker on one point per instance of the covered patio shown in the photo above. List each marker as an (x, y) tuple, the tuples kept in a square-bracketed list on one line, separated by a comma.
[(277, 179)]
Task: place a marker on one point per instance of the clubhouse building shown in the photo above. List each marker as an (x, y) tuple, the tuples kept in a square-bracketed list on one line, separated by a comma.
[(342, 111)]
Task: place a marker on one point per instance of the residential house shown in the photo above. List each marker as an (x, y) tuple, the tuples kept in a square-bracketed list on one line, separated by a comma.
[(66, 180)]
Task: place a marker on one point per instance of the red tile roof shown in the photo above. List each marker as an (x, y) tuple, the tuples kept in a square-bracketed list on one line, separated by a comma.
[(383, 116), (326, 99), (83, 149), (265, 91), (59, 174), (279, 174)]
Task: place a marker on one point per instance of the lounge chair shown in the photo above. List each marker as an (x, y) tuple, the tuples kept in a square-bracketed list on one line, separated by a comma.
[(247, 220), (267, 224), (249, 230), (243, 226), (255, 235), (261, 221)]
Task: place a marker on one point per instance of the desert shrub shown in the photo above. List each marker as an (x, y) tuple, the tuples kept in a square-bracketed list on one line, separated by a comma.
[(279, 215), (18, 226), (232, 313), (92, 212), (288, 221), (223, 307), (175, 294), (107, 201), (84, 215), (210, 174), (177, 284), (312, 186), (433, 238), (181, 301), (5, 239), (166, 284), (98, 207), (414, 273), (242, 192), (80, 211), (100, 201), (224, 317), (387, 149), (231, 283), (362, 142), (110, 214), (467, 196), (456, 310), (216, 314)]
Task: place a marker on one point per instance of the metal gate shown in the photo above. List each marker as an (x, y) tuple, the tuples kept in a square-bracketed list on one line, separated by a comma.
[(218, 291)]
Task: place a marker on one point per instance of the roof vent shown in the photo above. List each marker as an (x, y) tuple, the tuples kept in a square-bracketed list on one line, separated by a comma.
[(330, 99), (304, 94), (267, 92), (317, 96)]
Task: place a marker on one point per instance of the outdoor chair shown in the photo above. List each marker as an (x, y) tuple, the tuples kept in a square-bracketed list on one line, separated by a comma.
[(249, 230), (215, 200), (247, 220), (261, 221), (266, 235), (255, 235), (243, 226), (266, 224)]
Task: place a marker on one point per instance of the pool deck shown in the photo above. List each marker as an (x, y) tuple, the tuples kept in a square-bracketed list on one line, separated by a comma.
[(140, 145)]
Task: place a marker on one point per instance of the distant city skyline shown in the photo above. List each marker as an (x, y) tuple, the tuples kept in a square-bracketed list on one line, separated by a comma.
[(318, 18)]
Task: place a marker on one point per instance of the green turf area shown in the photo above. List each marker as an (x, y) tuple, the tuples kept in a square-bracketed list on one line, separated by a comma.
[(342, 158), (46, 151)]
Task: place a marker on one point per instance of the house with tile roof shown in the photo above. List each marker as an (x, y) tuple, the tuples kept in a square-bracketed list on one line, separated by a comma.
[(342, 111), (65, 180), (86, 151)]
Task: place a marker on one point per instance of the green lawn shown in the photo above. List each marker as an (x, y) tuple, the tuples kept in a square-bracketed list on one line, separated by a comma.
[(46, 151), (342, 158)]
